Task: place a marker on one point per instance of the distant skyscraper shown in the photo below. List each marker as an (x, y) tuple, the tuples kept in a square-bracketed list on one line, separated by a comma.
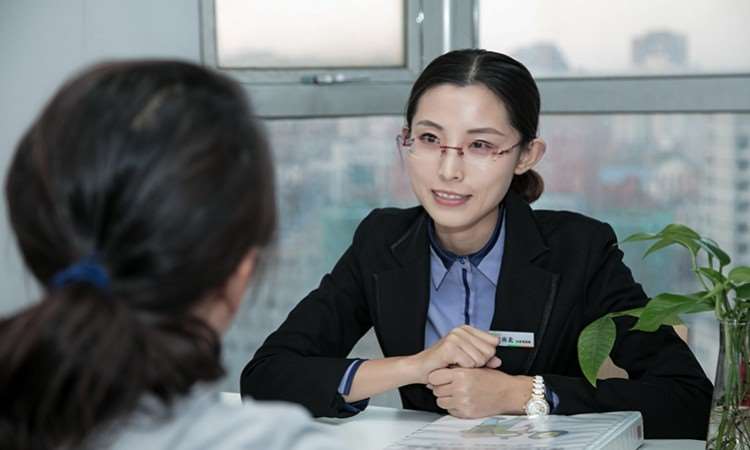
[(658, 50), (725, 202), (542, 58)]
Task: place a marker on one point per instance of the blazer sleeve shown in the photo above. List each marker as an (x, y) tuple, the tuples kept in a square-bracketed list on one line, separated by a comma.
[(666, 383), (304, 360)]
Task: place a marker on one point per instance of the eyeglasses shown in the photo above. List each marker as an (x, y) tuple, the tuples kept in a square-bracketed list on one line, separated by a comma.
[(427, 146)]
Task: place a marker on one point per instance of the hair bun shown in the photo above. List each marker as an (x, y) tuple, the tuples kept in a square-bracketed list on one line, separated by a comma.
[(528, 185)]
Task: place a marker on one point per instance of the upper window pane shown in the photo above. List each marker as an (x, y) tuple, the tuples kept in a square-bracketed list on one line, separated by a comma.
[(623, 37), (302, 34)]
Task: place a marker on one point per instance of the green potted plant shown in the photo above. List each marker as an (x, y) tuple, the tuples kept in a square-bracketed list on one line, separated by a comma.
[(727, 294)]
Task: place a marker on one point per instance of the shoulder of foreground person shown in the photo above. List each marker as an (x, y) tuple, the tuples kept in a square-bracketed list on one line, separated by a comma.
[(209, 424), (267, 425)]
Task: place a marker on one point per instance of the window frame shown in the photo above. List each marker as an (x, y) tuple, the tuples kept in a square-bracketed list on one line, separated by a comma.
[(303, 92), (452, 24), (700, 93)]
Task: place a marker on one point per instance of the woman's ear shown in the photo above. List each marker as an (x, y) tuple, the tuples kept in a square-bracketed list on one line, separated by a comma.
[(530, 156), (234, 290)]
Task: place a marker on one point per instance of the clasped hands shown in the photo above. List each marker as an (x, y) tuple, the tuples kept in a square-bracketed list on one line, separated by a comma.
[(461, 370)]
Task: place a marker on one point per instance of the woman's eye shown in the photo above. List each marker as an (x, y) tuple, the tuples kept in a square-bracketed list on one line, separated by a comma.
[(482, 147), (428, 138), (480, 144)]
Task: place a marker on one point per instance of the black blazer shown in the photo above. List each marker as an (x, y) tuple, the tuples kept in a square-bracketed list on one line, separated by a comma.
[(560, 271)]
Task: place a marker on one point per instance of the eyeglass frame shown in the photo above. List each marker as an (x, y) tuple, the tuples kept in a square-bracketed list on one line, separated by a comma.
[(402, 141)]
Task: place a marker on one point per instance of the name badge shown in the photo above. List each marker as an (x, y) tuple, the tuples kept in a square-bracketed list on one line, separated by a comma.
[(514, 338)]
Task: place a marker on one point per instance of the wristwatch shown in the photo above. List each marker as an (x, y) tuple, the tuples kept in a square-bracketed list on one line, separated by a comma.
[(537, 405)]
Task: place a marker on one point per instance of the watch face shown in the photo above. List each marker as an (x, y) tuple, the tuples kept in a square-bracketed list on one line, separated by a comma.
[(537, 407)]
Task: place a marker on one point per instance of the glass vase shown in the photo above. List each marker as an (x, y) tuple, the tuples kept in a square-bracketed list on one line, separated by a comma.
[(729, 426)]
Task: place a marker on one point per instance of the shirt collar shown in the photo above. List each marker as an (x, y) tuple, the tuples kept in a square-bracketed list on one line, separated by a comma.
[(442, 259)]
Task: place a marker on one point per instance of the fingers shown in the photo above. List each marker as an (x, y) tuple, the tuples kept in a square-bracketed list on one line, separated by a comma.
[(439, 377), (463, 353), (494, 362), (445, 390), (464, 346), (446, 402), (474, 343), (483, 335)]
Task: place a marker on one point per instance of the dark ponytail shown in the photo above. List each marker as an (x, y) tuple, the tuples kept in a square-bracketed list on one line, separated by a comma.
[(508, 79), (529, 185), (77, 359), (158, 172)]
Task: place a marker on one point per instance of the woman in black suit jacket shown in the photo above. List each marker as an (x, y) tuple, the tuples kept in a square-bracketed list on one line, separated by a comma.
[(469, 144)]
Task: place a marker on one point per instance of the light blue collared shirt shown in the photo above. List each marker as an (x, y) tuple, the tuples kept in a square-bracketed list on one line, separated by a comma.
[(462, 288)]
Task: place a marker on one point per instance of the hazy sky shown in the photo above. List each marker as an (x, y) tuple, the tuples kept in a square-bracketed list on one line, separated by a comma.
[(597, 35), (320, 32), (594, 36)]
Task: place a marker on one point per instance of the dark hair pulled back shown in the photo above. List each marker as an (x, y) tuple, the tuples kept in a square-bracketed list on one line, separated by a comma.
[(159, 171)]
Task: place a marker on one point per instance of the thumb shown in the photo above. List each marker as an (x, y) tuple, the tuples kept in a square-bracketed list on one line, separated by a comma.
[(493, 363)]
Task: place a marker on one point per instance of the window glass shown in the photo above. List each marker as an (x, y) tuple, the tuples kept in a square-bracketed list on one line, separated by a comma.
[(625, 37), (305, 34)]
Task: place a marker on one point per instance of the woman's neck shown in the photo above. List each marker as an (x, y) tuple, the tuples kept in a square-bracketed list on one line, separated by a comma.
[(470, 239)]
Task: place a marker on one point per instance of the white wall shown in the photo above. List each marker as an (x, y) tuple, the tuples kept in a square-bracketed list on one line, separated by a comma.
[(42, 42)]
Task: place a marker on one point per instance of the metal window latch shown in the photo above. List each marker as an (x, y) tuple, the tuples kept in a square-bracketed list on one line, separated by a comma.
[(333, 78)]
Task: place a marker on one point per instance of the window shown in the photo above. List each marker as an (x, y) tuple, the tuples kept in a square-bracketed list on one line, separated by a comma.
[(286, 34), (311, 59), (613, 57), (632, 37), (631, 141)]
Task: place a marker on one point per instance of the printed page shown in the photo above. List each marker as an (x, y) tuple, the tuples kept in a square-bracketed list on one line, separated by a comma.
[(520, 432)]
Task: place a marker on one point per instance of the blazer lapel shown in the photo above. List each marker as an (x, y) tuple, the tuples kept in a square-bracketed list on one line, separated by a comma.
[(526, 292), (523, 300), (403, 293)]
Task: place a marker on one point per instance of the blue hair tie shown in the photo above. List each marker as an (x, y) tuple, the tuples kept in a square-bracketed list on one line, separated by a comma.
[(87, 270)]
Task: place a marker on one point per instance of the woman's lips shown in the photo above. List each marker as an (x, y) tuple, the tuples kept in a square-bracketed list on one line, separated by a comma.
[(448, 198)]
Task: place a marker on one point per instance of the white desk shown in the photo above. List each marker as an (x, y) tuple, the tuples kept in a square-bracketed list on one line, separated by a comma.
[(377, 427)]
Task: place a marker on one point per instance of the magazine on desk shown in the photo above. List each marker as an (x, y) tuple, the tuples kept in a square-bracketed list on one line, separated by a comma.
[(610, 431)]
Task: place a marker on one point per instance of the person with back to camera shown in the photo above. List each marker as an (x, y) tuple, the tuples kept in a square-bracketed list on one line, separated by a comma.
[(433, 280), (140, 199)]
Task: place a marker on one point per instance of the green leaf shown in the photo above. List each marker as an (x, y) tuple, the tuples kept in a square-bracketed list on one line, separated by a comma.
[(712, 248), (715, 290), (672, 320), (702, 302), (687, 242), (699, 294), (715, 276), (635, 312), (666, 241), (594, 345), (658, 246), (664, 309), (700, 306), (679, 229), (739, 275), (640, 237), (743, 291)]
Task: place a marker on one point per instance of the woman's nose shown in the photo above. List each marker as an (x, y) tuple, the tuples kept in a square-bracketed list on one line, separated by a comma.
[(451, 164)]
